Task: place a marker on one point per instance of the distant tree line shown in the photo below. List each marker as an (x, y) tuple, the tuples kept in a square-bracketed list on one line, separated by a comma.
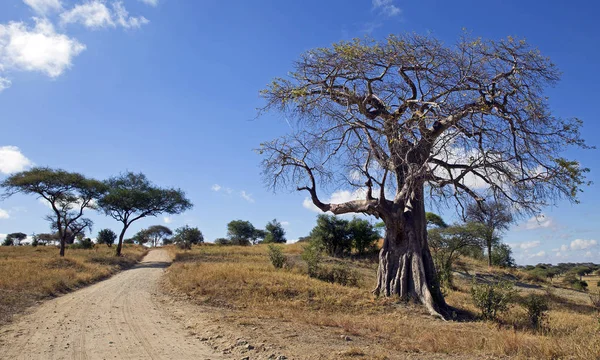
[(126, 198)]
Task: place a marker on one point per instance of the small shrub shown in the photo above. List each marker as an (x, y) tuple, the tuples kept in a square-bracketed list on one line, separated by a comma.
[(86, 244), (580, 285), (222, 242), (595, 298), (338, 274), (276, 256), (537, 307), (492, 298), (313, 255)]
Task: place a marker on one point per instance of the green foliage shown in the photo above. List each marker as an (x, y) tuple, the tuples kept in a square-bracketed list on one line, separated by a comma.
[(243, 233), (85, 243), (187, 236), (448, 243), (492, 298), (16, 238), (572, 279), (502, 256), (223, 242), (106, 236), (67, 193), (130, 241), (434, 220), (132, 196), (313, 255), (8, 242), (338, 274), (158, 234), (332, 234), (537, 307), (276, 256), (274, 232), (363, 235)]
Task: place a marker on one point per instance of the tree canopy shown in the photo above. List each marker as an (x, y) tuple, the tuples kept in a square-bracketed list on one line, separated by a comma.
[(132, 196), (67, 193), (187, 236), (274, 232), (242, 232), (106, 236)]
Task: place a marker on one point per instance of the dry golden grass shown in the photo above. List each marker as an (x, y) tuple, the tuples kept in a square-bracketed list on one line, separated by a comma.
[(243, 280), (29, 274)]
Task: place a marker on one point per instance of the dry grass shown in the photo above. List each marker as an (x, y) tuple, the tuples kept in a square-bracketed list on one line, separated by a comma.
[(29, 274), (242, 279)]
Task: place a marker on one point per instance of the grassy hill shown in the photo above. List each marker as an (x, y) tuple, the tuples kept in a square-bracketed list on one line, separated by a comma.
[(247, 289)]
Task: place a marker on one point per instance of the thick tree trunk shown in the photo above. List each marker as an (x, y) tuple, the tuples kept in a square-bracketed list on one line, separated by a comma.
[(406, 267)]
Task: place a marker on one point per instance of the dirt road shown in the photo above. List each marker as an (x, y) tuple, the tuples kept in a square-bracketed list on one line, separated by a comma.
[(114, 319)]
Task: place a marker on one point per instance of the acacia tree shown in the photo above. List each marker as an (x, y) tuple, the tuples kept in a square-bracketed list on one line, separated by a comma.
[(158, 233), (132, 196), (68, 194), (495, 216), (242, 232), (399, 118), (16, 238)]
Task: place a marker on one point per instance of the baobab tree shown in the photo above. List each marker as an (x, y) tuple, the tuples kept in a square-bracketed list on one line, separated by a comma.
[(410, 116)]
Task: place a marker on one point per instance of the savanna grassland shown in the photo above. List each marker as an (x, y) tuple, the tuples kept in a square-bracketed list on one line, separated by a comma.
[(29, 274), (241, 282)]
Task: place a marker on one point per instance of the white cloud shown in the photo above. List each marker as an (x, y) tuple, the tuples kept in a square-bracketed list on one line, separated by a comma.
[(43, 7), (564, 248), (94, 14), (167, 220), (386, 7), (150, 2), (285, 223), (539, 222), (539, 254), (4, 214), (37, 49), (126, 21), (580, 244), (216, 187), (4, 83), (526, 245), (12, 160), (588, 254), (246, 196)]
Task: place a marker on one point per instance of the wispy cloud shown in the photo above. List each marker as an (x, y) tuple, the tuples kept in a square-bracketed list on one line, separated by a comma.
[(96, 14), (12, 160), (526, 245), (386, 7), (539, 222), (4, 214), (246, 196), (150, 2), (581, 244), (43, 7), (167, 220), (215, 187)]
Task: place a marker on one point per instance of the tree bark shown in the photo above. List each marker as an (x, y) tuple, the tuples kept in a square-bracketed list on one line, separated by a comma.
[(489, 249), (406, 267), (120, 244), (62, 247)]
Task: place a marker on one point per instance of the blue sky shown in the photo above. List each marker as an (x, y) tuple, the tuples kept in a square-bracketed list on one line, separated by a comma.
[(170, 88)]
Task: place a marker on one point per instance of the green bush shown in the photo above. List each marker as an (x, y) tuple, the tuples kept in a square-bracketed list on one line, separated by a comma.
[(492, 298), (537, 307), (338, 274), (86, 243), (276, 256), (580, 285), (223, 242), (313, 255)]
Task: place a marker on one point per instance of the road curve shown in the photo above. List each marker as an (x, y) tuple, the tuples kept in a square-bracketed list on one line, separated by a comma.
[(113, 319)]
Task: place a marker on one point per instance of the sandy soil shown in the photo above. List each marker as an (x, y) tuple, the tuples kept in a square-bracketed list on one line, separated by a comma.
[(118, 318)]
